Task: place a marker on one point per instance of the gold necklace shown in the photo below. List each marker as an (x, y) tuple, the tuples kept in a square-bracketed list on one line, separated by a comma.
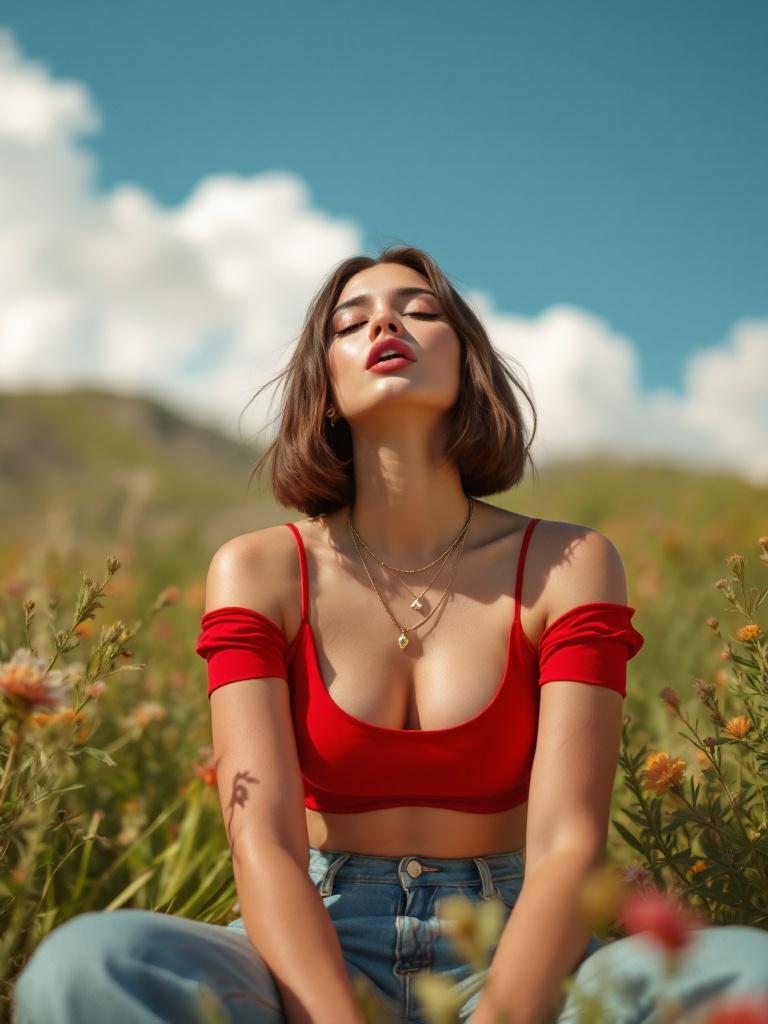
[(403, 639), (416, 603), (429, 565)]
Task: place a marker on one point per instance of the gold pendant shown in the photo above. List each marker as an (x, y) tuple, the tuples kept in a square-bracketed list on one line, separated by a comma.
[(416, 604), (403, 641)]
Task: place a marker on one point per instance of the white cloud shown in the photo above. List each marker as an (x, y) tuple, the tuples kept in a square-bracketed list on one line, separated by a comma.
[(200, 303)]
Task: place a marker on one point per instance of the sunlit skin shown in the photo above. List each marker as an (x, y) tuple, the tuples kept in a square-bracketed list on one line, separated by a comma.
[(409, 505), (407, 502)]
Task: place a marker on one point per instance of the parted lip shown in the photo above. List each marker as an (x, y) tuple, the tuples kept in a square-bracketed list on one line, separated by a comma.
[(395, 344)]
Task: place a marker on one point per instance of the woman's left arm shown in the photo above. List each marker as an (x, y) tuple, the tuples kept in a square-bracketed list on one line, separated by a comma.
[(569, 800)]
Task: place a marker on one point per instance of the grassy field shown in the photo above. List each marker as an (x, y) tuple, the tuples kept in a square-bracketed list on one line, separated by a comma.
[(107, 794)]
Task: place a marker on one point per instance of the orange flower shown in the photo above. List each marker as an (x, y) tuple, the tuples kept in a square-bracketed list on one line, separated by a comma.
[(206, 768), (738, 727), (662, 771), (661, 916), (25, 678), (147, 712), (67, 717), (85, 629), (747, 633), (700, 865), (704, 760)]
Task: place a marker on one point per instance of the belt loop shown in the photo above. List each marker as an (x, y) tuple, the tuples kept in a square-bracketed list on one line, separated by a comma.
[(326, 886), (485, 877)]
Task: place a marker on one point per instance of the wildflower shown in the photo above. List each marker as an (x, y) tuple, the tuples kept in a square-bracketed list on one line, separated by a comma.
[(662, 917), (725, 654), (85, 629), (724, 585), (113, 564), (26, 679), (601, 897), (700, 865), (439, 996), (713, 623), (705, 690), (709, 742), (147, 712), (721, 678), (206, 768), (662, 771), (740, 1009), (748, 632), (66, 717), (736, 564), (471, 930), (637, 875), (96, 689), (738, 727), (670, 697), (704, 760), (168, 596)]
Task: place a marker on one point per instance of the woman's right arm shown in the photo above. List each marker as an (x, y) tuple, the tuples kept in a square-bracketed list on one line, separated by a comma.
[(262, 802)]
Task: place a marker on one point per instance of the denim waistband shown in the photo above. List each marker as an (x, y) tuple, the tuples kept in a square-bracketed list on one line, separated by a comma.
[(412, 870)]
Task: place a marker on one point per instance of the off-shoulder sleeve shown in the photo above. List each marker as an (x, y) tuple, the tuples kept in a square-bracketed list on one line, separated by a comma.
[(239, 643), (590, 643)]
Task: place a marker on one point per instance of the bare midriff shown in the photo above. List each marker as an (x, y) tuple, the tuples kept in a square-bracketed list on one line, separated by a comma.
[(425, 831)]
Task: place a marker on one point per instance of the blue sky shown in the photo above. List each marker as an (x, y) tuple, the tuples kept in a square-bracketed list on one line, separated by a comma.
[(611, 157), (605, 154)]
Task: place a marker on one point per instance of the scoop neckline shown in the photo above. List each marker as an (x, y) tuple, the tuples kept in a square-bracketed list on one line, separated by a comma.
[(514, 630)]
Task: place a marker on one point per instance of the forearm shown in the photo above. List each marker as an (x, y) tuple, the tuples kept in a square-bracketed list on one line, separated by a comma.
[(543, 940), (287, 923)]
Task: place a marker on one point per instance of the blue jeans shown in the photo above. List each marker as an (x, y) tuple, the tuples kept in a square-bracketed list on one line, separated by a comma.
[(143, 967)]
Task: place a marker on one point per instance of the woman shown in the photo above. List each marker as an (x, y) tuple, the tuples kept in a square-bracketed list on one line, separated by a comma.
[(382, 729)]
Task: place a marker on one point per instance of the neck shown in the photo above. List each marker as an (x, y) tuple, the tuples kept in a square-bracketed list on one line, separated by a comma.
[(408, 507)]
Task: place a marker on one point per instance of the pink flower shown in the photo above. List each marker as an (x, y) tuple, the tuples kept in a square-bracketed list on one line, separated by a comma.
[(25, 678)]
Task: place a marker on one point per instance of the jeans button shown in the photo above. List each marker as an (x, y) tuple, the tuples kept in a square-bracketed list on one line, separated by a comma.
[(414, 868)]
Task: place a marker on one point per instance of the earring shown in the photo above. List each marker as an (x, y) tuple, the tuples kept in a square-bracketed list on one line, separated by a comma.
[(329, 414)]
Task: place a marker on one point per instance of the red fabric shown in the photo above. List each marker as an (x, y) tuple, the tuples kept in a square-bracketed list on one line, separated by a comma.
[(590, 643), (239, 643), (481, 765)]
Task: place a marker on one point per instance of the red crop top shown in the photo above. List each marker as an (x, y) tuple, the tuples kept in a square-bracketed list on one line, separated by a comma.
[(483, 765)]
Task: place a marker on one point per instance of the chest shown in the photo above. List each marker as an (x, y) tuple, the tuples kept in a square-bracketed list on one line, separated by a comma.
[(455, 663)]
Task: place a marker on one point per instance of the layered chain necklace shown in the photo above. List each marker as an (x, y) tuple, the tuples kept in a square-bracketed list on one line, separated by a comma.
[(458, 543)]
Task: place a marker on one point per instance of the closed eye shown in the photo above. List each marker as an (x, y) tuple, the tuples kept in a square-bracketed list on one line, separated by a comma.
[(354, 327)]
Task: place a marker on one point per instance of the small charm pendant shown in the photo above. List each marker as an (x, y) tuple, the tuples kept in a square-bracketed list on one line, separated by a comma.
[(416, 604), (403, 641)]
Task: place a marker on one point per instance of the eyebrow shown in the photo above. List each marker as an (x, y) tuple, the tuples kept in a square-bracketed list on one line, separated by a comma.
[(359, 300)]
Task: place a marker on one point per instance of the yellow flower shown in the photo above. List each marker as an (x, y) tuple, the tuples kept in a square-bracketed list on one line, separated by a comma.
[(747, 633), (600, 897), (662, 771), (738, 727)]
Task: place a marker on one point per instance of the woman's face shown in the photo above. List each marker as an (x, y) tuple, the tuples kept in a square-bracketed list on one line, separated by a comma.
[(392, 301)]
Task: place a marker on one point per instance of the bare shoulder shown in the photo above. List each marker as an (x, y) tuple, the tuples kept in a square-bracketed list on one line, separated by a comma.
[(257, 570), (580, 565)]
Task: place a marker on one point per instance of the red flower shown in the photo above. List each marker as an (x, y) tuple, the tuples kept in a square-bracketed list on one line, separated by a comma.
[(661, 916), (740, 1010)]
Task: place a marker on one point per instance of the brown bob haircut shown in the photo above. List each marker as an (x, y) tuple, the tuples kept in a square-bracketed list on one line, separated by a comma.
[(312, 464)]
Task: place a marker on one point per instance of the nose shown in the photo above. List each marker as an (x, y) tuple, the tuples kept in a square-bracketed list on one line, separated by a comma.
[(384, 322)]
